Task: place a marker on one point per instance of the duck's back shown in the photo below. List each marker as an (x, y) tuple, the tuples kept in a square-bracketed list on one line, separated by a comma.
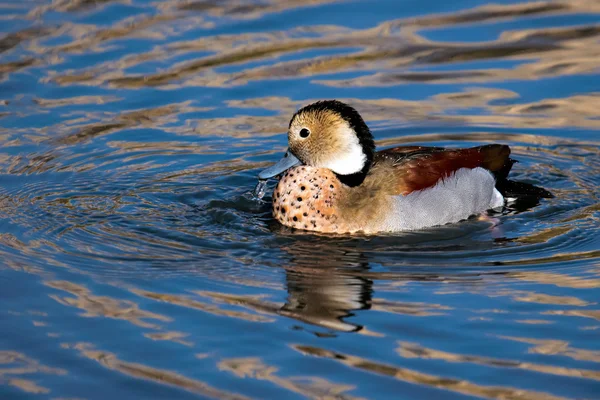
[(414, 168)]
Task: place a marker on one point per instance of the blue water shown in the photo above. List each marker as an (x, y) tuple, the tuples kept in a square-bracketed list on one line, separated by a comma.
[(134, 262)]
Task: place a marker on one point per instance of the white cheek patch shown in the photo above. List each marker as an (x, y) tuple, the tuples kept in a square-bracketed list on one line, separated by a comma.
[(350, 159)]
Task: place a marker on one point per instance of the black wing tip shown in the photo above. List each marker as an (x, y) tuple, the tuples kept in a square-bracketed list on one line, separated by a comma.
[(521, 190)]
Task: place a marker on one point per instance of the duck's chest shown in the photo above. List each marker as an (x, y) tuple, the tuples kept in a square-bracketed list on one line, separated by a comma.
[(314, 199), (308, 198)]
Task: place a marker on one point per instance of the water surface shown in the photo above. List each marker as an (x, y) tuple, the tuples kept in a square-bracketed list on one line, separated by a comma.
[(135, 264)]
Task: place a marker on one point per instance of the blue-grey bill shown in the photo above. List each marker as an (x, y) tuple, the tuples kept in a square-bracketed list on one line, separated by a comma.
[(288, 161)]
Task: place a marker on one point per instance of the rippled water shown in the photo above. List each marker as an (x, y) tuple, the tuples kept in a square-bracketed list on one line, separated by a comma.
[(134, 262)]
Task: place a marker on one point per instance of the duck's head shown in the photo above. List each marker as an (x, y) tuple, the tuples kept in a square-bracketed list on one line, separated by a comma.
[(328, 134)]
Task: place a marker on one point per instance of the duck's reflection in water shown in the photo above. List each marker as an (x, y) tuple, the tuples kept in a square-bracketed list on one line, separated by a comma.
[(325, 298), (325, 287)]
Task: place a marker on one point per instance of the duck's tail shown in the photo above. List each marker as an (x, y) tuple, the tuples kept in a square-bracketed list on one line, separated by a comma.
[(496, 158), (521, 195)]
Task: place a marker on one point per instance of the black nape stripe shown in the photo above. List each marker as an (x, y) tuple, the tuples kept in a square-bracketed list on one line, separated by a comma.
[(352, 179)]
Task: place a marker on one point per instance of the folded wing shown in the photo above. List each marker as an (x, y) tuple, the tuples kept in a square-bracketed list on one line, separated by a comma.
[(418, 167)]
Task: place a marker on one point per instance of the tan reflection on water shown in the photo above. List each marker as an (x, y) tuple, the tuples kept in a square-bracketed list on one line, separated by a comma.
[(139, 118), (554, 278), (392, 46), (77, 100), (542, 298), (411, 350), (176, 337), (243, 10), (309, 386), (103, 306), (14, 366), (544, 235), (186, 301), (407, 308), (159, 376), (557, 347), (594, 314), (416, 377), (382, 48), (534, 321), (69, 6)]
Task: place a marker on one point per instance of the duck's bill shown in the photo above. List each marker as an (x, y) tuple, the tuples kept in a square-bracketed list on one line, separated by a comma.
[(288, 161)]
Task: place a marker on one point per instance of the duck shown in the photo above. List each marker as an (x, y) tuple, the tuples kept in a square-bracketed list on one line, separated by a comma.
[(332, 179)]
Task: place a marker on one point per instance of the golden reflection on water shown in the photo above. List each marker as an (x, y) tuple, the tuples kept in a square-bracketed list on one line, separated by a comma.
[(176, 337), (541, 298), (390, 45), (15, 366), (533, 321), (411, 350), (554, 278), (393, 47), (140, 118), (412, 376), (412, 309), (322, 297), (111, 361), (186, 301), (326, 297), (557, 347), (104, 306), (593, 314), (309, 386)]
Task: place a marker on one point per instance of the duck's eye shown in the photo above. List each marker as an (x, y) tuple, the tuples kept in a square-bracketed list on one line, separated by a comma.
[(304, 132)]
